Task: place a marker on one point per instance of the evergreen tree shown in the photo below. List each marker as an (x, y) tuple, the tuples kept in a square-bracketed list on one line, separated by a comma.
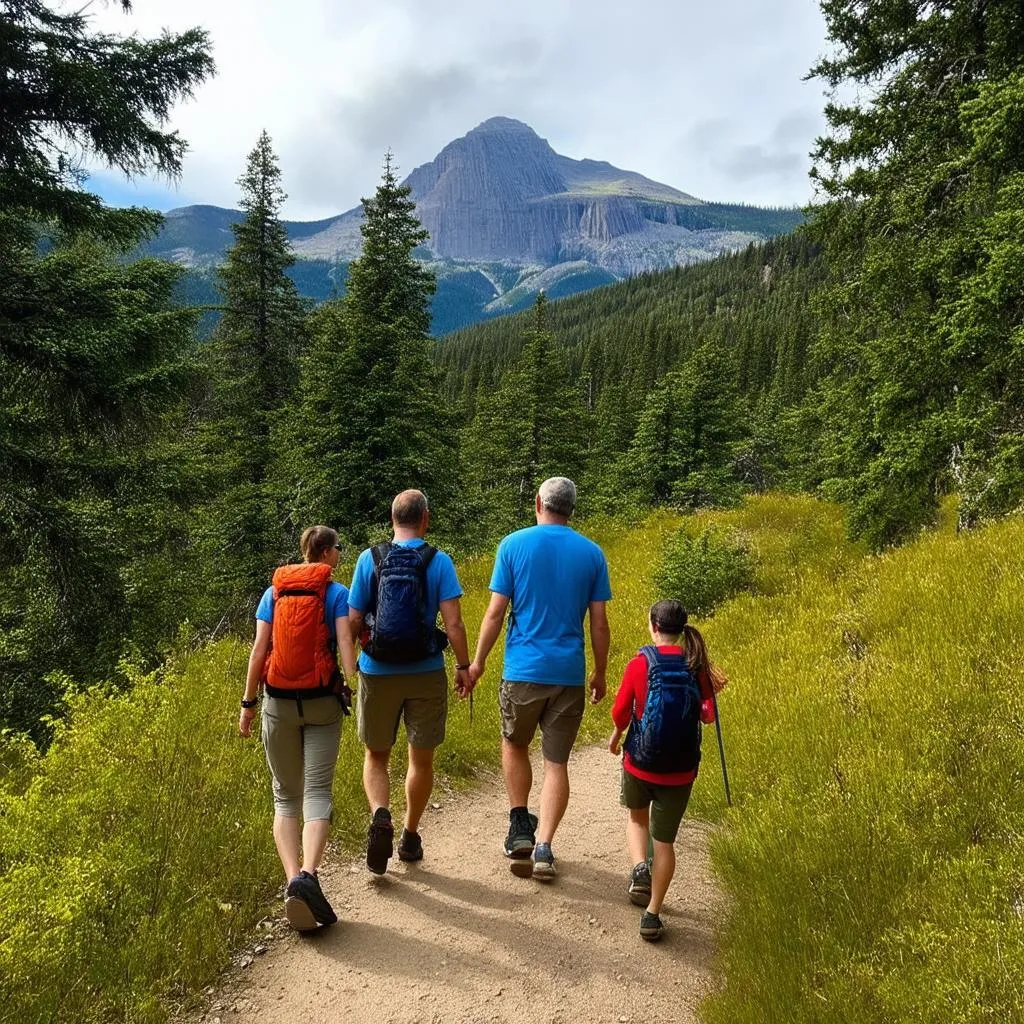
[(920, 319), (529, 428), (369, 420), (253, 357), (93, 355)]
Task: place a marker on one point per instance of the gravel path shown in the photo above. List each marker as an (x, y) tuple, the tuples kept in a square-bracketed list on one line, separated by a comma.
[(457, 938)]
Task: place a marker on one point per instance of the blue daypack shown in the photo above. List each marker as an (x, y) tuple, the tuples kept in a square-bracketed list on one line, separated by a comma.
[(397, 629), (666, 738)]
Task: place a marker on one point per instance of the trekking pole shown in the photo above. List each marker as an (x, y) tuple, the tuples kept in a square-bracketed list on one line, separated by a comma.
[(721, 747)]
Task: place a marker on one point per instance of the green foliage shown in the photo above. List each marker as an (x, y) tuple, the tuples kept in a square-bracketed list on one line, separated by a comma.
[(704, 569), (920, 319), (880, 700), (253, 358), (70, 93)]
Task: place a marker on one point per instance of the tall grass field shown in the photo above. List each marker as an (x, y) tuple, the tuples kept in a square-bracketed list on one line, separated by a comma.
[(874, 724)]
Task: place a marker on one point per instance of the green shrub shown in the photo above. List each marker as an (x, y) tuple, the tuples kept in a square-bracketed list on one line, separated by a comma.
[(704, 569)]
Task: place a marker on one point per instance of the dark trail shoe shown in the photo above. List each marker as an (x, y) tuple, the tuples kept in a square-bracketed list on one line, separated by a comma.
[(519, 842), (296, 905), (640, 884), (543, 862), (651, 927), (410, 846), (380, 841), (322, 910)]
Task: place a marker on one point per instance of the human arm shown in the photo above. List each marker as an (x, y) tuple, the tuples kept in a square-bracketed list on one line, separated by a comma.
[(451, 616), (600, 640), (257, 659), (613, 740), (490, 628), (346, 650), (625, 700)]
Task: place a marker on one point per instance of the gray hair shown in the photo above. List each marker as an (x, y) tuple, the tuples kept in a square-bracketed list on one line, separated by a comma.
[(408, 508), (558, 495)]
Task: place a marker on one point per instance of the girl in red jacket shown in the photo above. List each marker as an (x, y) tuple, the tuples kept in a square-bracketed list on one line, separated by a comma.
[(672, 683)]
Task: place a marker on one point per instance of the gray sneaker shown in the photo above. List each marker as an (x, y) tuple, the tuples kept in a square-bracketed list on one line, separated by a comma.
[(543, 862), (640, 885)]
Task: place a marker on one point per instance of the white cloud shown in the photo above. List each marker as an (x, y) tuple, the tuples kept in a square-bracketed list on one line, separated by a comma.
[(706, 97)]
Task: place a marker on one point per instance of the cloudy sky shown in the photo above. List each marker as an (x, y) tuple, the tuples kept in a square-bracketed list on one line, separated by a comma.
[(705, 96)]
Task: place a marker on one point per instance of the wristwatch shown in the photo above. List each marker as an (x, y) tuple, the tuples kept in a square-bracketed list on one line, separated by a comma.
[(250, 703), (462, 668)]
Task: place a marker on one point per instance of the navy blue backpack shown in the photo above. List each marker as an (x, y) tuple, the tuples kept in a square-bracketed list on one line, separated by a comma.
[(666, 738), (397, 629)]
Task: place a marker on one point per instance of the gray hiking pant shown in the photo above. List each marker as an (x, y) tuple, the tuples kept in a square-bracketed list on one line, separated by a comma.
[(301, 742)]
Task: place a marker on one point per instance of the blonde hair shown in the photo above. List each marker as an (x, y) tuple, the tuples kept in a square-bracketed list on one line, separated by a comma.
[(315, 541)]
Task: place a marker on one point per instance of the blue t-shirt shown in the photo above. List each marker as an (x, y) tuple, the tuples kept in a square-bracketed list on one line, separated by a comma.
[(335, 605), (551, 574), (442, 585)]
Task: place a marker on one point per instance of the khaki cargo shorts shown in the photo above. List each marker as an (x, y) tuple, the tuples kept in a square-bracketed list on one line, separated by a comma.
[(558, 710), (420, 698)]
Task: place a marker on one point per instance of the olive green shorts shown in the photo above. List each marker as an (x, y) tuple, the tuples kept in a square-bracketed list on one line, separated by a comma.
[(420, 698), (667, 804), (558, 710)]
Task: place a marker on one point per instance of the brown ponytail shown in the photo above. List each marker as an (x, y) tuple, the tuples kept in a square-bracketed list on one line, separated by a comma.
[(315, 541), (696, 651)]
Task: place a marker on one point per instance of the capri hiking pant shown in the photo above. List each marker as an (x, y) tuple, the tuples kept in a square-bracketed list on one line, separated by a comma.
[(301, 740)]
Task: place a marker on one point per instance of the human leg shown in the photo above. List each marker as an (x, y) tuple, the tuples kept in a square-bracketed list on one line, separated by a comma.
[(518, 773), (321, 737), (638, 824), (419, 781), (663, 869), (376, 778), (559, 725), (635, 796), (281, 733), (554, 799)]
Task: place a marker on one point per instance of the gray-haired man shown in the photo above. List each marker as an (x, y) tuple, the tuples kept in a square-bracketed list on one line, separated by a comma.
[(551, 576)]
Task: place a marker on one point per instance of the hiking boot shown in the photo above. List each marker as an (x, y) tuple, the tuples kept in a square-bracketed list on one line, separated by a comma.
[(519, 842), (410, 846), (543, 862), (380, 841), (651, 927), (640, 884), (296, 905)]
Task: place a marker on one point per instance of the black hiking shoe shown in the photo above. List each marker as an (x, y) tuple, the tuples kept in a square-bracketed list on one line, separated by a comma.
[(522, 827), (322, 910), (640, 884), (296, 905), (410, 846), (380, 841), (651, 927)]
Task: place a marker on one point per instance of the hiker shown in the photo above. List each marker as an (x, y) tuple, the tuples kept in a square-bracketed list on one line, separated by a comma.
[(301, 631), (662, 749), (551, 577), (398, 588)]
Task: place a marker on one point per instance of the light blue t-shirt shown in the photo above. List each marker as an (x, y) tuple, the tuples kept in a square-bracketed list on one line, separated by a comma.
[(550, 574), (335, 605), (442, 585)]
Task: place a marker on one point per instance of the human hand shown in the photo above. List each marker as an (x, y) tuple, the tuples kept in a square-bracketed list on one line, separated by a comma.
[(463, 683), (598, 685), (719, 680), (245, 718), (613, 741)]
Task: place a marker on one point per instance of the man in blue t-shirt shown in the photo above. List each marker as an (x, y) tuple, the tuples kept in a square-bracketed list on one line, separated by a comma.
[(551, 577), (416, 691)]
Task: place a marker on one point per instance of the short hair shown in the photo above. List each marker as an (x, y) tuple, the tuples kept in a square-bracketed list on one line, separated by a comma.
[(408, 508), (558, 495), (315, 541), (668, 617)]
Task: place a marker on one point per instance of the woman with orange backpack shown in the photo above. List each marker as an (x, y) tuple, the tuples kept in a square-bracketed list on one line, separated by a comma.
[(301, 631)]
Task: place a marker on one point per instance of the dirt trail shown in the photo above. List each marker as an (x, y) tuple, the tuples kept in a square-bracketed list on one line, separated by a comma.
[(457, 938)]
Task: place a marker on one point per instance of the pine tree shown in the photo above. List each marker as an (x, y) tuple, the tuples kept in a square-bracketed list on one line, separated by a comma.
[(369, 420), (253, 357)]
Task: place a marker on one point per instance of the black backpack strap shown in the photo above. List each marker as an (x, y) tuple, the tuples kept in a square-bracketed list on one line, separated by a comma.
[(379, 552), (426, 553)]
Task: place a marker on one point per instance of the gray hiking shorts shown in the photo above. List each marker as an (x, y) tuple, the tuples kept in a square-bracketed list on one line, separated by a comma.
[(558, 710), (302, 750)]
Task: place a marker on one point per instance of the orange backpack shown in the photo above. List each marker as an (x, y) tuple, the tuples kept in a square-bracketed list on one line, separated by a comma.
[(301, 655)]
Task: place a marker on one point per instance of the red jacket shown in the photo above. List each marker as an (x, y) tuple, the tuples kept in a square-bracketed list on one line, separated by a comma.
[(633, 694)]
